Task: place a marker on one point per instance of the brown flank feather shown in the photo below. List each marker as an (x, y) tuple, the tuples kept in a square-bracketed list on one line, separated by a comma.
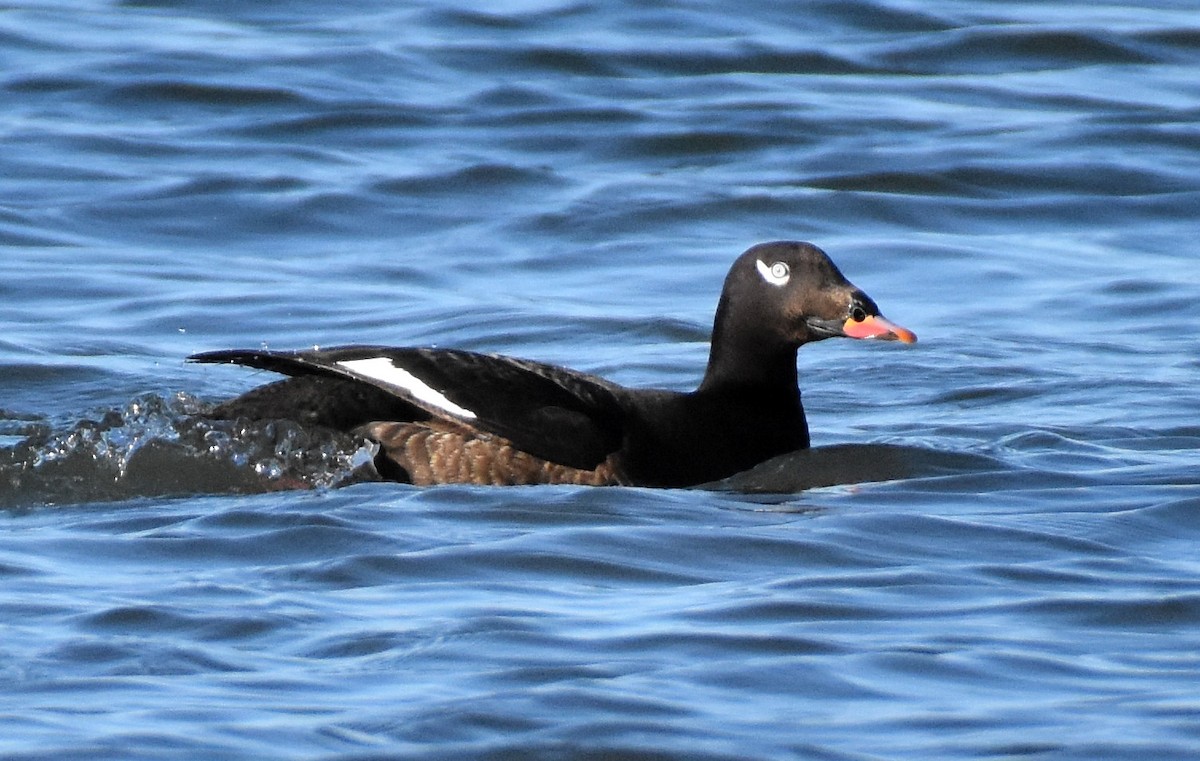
[(442, 452)]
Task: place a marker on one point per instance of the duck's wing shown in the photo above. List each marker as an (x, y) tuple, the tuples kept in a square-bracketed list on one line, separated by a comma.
[(550, 412)]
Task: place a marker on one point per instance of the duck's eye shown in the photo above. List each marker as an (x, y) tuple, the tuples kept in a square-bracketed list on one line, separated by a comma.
[(775, 274), (857, 313)]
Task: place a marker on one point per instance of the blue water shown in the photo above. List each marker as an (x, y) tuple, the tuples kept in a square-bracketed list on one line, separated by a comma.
[(1006, 565)]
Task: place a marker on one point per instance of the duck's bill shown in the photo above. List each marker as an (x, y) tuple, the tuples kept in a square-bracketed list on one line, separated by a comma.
[(875, 326)]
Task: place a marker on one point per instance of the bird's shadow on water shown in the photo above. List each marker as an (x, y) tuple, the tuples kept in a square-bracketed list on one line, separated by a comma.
[(845, 464)]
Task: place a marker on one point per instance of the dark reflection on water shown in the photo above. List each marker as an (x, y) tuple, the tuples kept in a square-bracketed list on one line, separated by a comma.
[(852, 464), (989, 553)]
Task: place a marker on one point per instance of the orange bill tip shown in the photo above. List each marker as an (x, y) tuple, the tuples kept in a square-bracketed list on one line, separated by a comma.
[(875, 326)]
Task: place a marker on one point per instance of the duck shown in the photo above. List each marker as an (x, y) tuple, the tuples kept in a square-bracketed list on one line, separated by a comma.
[(440, 416)]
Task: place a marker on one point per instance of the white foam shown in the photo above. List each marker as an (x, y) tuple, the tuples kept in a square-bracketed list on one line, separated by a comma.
[(382, 370)]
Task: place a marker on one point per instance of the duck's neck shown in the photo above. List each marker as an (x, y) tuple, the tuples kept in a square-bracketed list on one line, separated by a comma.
[(743, 357)]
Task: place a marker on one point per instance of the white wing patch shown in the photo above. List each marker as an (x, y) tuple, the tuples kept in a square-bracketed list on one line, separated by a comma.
[(382, 370), (776, 274)]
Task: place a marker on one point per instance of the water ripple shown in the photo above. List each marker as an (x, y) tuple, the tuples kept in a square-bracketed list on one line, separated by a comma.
[(990, 551)]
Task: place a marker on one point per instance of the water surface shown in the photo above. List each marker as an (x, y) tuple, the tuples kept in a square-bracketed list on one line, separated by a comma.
[(991, 553)]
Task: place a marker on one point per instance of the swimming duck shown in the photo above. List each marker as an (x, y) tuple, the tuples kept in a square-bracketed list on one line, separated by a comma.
[(450, 416)]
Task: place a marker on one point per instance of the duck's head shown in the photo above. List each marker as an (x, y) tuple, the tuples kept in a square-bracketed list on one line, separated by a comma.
[(790, 293)]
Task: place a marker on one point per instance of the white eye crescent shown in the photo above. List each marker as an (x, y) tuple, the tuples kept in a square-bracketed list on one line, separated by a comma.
[(776, 274)]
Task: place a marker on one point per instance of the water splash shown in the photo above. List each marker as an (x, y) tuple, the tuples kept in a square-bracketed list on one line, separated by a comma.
[(163, 446)]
